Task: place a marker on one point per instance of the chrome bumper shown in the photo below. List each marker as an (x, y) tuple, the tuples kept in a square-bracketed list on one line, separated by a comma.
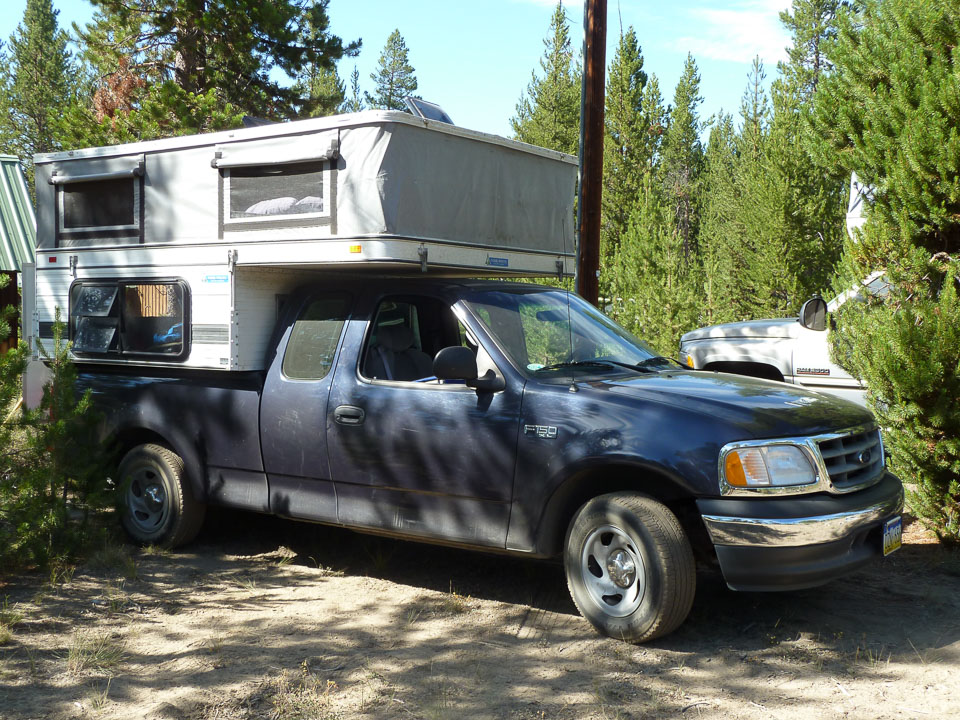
[(796, 532)]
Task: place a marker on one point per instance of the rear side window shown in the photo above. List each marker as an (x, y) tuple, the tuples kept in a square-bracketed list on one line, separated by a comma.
[(314, 338), (118, 318)]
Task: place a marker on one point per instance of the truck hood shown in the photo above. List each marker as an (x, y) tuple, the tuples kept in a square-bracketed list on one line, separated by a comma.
[(757, 408), (779, 328)]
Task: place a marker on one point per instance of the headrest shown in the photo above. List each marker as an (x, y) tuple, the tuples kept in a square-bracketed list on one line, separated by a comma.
[(395, 338)]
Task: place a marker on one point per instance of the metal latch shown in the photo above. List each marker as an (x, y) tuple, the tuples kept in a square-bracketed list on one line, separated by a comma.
[(73, 266), (422, 252), (232, 260), (559, 269)]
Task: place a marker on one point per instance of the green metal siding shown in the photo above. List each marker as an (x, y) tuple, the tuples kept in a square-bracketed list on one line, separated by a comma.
[(18, 222)]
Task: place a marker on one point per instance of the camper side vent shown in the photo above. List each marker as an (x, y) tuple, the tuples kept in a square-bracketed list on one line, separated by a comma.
[(211, 334)]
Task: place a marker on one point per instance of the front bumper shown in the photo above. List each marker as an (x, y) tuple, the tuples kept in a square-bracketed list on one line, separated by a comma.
[(799, 542)]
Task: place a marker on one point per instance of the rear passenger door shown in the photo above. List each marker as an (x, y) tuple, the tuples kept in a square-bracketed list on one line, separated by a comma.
[(411, 455), (293, 410)]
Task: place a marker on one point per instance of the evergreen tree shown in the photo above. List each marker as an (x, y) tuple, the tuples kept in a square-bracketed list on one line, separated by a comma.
[(548, 114), (755, 113), (812, 25), (326, 91), (683, 156), (726, 288), (654, 284), (891, 112), (626, 149), (395, 78), (38, 80), (185, 66), (354, 103), (655, 117)]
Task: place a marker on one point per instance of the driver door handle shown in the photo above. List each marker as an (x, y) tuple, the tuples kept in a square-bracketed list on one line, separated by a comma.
[(348, 415)]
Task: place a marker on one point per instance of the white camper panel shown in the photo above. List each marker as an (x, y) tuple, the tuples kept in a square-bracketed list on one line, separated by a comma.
[(186, 243)]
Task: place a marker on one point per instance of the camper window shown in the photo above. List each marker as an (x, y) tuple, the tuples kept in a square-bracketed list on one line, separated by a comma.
[(275, 192), (129, 318), (99, 209)]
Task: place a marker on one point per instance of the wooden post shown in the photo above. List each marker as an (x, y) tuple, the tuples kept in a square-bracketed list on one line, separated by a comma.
[(591, 147)]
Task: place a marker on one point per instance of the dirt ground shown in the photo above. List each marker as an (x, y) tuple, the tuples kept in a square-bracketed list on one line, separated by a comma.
[(263, 618)]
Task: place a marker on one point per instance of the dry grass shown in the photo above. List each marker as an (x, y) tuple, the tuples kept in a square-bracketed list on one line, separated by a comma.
[(94, 651)]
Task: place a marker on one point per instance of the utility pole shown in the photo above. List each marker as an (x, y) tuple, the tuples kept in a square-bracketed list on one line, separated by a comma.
[(591, 148)]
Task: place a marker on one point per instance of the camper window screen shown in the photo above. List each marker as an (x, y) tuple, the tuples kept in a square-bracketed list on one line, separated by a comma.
[(275, 192), (128, 318), (104, 204)]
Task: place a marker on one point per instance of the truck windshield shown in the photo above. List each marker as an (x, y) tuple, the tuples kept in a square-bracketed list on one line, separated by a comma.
[(551, 333)]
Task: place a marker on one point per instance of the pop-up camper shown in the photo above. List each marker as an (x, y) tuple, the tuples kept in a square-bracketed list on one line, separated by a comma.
[(179, 251)]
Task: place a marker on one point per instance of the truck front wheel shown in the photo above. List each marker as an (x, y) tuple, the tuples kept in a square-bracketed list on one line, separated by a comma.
[(157, 505), (629, 567)]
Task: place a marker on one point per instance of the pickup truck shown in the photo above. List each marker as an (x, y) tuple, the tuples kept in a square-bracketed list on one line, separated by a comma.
[(794, 350), (512, 418)]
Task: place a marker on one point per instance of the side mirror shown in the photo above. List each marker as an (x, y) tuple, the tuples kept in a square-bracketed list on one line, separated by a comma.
[(455, 363), (813, 314), (459, 363)]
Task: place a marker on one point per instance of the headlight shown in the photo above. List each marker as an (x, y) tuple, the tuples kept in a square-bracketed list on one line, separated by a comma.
[(767, 466)]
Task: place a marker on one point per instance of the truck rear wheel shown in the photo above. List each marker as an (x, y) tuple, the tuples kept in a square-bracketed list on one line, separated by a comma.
[(157, 504), (629, 567)]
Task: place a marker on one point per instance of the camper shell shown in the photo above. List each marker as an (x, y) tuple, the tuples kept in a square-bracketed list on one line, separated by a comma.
[(181, 251)]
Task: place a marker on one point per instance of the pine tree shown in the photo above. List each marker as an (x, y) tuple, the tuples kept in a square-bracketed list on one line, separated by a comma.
[(654, 283), (395, 78), (724, 254), (814, 203), (683, 157), (354, 103), (627, 154), (174, 66), (812, 25), (548, 114), (38, 80), (326, 91), (891, 112)]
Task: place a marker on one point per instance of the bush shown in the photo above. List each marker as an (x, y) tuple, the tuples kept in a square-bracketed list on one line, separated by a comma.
[(891, 113), (53, 478)]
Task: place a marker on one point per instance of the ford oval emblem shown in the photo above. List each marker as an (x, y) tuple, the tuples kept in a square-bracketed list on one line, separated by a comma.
[(864, 457)]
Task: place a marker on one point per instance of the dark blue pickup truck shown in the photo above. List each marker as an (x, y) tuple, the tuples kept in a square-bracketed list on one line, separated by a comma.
[(512, 418)]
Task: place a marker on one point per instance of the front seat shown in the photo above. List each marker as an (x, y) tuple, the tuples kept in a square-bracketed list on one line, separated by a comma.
[(393, 356)]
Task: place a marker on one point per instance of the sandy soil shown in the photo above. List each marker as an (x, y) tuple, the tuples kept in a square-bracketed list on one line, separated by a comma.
[(262, 618)]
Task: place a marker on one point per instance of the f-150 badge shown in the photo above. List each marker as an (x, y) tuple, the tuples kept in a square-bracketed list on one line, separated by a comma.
[(813, 371), (548, 432)]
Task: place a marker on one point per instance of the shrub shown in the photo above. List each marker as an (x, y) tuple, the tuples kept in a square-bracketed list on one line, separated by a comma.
[(52, 478)]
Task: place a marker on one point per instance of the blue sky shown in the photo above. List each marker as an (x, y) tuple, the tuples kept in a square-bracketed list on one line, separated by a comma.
[(475, 58)]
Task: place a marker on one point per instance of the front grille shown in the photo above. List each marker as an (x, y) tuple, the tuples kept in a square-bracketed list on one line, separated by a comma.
[(853, 461)]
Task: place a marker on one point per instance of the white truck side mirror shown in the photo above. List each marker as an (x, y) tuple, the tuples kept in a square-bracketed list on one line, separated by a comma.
[(813, 314)]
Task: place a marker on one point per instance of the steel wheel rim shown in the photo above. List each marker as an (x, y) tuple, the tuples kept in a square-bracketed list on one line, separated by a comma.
[(612, 571), (148, 505)]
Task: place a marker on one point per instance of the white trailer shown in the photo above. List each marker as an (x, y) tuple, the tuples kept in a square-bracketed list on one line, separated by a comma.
[(177, 252)]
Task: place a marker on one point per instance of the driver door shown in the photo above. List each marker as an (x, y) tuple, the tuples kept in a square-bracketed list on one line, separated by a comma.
[(409, 454)]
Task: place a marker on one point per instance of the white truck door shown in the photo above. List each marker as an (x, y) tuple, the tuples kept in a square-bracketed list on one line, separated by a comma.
[(813, 368)]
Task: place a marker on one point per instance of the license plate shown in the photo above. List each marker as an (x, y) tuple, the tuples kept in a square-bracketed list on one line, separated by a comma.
[(892, 534)]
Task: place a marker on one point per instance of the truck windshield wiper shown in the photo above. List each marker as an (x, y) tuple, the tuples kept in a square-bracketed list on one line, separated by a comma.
[(594, 363), (650, 362)]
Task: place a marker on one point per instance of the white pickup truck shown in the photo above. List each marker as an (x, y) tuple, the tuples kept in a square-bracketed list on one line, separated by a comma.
[(794, 350)]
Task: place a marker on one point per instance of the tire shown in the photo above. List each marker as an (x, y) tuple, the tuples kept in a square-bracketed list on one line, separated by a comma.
[(629, 567), (157, 506)]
